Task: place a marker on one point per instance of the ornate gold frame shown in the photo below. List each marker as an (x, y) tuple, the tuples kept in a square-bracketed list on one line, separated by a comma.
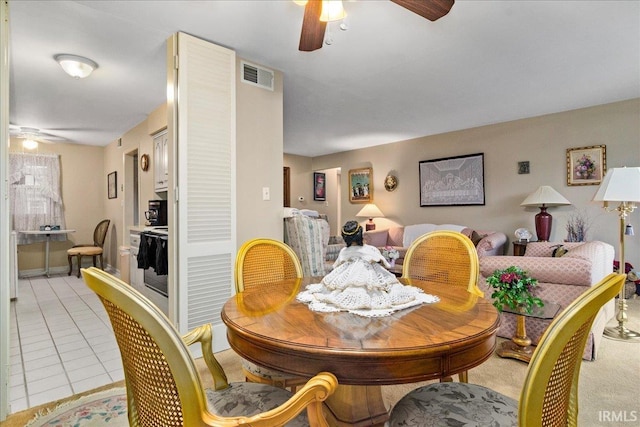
[(596, 153), (361, 185)]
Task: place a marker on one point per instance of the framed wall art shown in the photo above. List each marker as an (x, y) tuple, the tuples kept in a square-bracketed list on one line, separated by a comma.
[(319, 186), (361, 185), (452, 181), (112, 185), (586, 165), (523, 167)]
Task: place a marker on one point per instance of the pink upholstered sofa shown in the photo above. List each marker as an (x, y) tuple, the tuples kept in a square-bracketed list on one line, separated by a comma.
[(488, 243), (560, 279)]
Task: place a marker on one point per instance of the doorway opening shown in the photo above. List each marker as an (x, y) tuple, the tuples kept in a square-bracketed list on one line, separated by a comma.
[(131, 200)]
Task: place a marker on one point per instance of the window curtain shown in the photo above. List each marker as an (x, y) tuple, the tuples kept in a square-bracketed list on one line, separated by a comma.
[(35, 194)]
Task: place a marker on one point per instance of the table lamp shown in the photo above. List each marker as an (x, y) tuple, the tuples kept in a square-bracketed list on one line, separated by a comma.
[(621, 185), (370, 211), (543, 197)]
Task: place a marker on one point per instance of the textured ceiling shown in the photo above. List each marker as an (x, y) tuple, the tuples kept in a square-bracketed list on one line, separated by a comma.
[(391, 76)]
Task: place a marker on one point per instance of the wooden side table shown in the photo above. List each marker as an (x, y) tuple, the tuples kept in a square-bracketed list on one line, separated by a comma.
[(519, 248), (520, 347)]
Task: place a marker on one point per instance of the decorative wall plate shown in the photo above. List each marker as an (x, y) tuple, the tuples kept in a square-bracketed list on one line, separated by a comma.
[(390, 183), (144, 162)]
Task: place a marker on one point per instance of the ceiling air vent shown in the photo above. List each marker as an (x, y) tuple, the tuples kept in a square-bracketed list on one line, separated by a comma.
[(257, 76)]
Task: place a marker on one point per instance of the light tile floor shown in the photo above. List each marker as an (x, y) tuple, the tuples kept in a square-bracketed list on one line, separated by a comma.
[(61, 342)]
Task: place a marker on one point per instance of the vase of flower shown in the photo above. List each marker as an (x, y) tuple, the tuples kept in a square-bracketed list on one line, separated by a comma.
[(512, 288), (390, 254)]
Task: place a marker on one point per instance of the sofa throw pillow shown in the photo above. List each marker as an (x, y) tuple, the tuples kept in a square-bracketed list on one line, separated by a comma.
[(476, 237), (559, 251), (376, 238)]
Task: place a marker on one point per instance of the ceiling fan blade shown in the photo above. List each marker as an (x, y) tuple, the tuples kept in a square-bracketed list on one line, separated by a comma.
[(430, 9), (35, 134), (312, 34)]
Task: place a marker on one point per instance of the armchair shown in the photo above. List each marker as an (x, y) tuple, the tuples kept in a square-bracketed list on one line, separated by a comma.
[(560, 279), (309, 239)]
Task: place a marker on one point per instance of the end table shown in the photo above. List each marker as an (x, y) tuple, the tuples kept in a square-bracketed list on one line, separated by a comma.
[(519, 248), (520, 347)]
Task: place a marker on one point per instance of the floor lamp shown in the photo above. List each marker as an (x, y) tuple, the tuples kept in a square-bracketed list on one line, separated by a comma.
[(621, 185)]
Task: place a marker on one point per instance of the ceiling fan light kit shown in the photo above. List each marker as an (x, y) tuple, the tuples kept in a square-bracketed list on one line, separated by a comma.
[(77, 67), (29, 144), (332, 10), (318, 12), (31, 137)]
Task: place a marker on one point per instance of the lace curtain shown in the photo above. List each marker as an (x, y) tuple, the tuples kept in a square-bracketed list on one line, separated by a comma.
[(35, 196)]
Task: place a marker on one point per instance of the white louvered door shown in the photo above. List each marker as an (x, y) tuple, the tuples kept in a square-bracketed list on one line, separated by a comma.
[(205, 240)]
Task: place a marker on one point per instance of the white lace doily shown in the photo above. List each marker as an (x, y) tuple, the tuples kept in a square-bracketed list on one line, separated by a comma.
[(358, 301)]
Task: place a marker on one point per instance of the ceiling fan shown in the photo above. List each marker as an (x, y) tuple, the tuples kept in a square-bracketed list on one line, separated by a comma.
[(313, 28), (33, 134)]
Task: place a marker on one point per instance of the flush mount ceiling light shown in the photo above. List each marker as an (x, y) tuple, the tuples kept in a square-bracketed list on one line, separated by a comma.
[(77, 67)]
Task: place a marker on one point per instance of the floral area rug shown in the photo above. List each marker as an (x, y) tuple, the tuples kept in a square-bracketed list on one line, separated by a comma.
[(105, 408)]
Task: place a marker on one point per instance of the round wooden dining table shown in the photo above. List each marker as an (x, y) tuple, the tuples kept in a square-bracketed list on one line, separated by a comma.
[(269, 327)]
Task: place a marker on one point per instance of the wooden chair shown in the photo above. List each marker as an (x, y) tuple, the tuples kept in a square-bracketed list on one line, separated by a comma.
[(93, 250), (549, 396), (163, 384), (260, 262), (445, 257)]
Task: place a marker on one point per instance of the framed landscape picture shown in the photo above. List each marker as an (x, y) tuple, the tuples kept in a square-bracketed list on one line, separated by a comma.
[(361, 185), (452, 181), (319, 186), (586, 165)]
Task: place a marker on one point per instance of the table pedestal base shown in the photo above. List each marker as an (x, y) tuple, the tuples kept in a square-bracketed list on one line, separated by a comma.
[(356, 406), (519, 347)]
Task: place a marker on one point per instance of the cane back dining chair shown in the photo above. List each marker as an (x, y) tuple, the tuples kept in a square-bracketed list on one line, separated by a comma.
[(259, 263), (93, 250), (163, 385), (549, 396), (445, 257)]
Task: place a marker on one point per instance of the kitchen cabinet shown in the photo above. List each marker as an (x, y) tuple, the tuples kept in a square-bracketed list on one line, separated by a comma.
[(161, 161)]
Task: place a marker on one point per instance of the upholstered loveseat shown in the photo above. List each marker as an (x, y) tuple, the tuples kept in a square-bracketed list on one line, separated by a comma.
[(560, 279), (487, 242)]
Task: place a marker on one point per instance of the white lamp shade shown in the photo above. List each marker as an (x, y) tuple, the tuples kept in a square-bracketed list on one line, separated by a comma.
[(545, 195), (619, 185), (370, 211)]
